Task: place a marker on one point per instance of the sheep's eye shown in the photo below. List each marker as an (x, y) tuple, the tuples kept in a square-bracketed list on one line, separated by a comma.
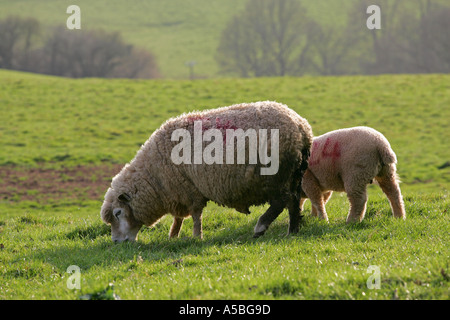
[(117, 213)]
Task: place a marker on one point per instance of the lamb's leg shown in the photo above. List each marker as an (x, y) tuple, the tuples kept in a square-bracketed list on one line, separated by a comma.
[(391, 188), (319, 207), (311, 187), (319, 210), (327, 196), (358, 202), (302, 203), (176, 226), (313, 210), (197, 217), (294, 215), (276, 207)]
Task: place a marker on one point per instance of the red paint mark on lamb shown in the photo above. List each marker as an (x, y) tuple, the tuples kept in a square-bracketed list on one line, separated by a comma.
[(329, 151), (315, 156)]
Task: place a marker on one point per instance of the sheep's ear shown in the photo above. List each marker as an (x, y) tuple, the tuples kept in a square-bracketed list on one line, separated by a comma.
[(125, 197)]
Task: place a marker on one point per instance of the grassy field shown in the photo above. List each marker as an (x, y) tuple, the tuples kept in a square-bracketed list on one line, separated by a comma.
[(63, 126)]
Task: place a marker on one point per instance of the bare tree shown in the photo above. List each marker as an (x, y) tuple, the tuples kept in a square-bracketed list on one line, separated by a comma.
[(267, 39), (414, 38), (333, 50), (95, 54), (16, 40), (63, 52), (434, 53)]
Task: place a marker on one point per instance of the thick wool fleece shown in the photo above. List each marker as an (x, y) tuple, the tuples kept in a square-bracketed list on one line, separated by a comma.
[(157, 186), (347, 160)]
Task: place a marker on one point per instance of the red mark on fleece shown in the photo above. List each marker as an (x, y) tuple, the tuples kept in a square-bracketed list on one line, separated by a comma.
[(314, 157), (206, 124), (328, 153), (205, 121), (224, 126), (329, 150)]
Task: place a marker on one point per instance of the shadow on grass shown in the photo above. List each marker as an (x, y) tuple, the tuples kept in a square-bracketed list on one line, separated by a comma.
[(91, 246)]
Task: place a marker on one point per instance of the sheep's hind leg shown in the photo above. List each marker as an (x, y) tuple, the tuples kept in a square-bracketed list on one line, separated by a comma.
[(176, 227), (294, 215), (276, 207)]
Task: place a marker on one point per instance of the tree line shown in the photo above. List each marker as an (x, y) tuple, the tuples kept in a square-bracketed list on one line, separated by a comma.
[(76, 54), (277, 38), (268, 38)]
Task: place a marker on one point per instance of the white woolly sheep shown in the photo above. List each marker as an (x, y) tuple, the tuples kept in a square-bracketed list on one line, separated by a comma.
[(347, 160), (159, 180)]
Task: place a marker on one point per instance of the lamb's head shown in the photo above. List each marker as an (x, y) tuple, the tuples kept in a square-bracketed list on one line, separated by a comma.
[(118, 212)]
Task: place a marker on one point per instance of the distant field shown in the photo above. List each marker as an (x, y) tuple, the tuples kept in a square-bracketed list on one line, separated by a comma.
[(177, 31), (62, 140)]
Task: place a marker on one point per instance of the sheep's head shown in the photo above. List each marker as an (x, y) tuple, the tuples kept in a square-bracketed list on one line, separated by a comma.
[(118, 212)]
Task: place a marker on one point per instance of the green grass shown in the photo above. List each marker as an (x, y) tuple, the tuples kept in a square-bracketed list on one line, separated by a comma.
[(52, 122), (324, 261)]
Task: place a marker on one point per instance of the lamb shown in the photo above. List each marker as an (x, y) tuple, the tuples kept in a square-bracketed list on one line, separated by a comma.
[(168, 176), (347, 160)]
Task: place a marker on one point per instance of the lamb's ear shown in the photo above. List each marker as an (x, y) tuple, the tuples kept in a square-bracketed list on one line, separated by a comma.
[(125, 197)]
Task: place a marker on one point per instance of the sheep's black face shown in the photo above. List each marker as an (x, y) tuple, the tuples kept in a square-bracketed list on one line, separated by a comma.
[(118, 212)]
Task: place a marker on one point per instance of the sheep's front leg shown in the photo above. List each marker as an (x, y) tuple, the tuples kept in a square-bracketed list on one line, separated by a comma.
[(176, 227), (276, 207), (198, 232)]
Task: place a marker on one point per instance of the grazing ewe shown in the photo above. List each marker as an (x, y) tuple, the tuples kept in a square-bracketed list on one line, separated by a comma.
[(347, 160), (159, 180)]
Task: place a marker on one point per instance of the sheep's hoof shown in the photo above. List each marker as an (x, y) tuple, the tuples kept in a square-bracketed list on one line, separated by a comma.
[(258, 234), (259, 230)]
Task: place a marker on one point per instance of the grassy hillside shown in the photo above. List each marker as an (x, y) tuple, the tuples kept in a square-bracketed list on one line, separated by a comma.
[(52, 124), (177, 31), (68, 122)]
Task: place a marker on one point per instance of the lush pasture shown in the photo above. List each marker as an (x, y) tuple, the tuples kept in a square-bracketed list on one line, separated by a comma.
[(55, 124)]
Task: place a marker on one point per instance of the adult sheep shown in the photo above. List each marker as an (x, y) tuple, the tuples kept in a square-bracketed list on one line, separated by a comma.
[(347, 160), (168, 176)]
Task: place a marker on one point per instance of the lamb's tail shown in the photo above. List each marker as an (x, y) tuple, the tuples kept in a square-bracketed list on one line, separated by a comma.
[(388, 161), (388, 179), (386, 153)]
